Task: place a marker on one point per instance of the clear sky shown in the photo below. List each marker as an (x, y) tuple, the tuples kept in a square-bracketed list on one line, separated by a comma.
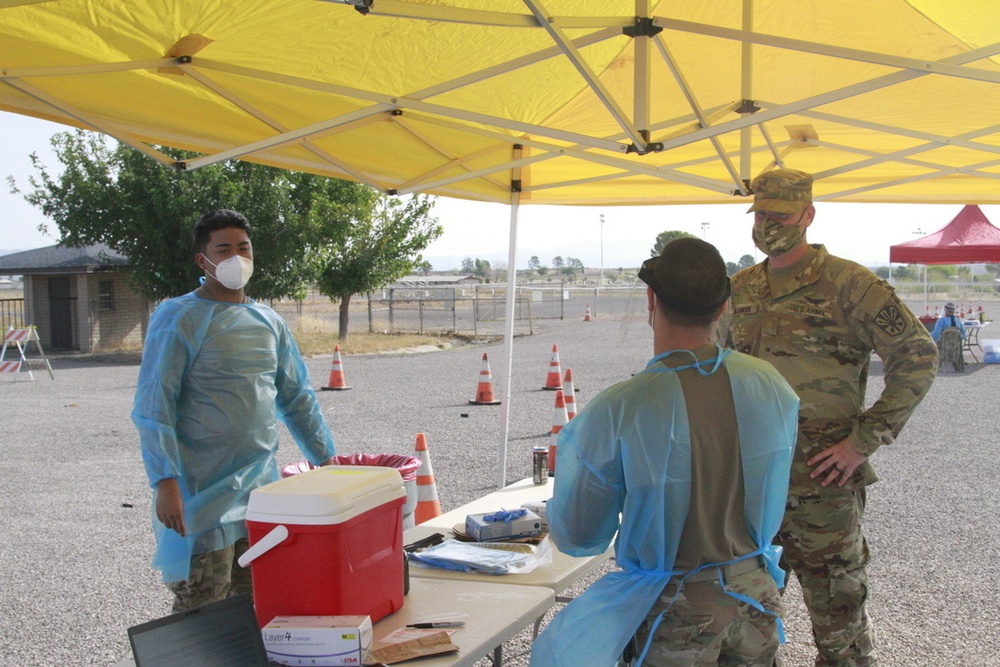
[(861, 232)]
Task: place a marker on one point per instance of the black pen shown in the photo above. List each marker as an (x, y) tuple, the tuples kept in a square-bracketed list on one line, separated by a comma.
[(438, 624)]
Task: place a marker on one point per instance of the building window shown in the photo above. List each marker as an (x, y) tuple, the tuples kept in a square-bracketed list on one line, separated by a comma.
[(106, 295)]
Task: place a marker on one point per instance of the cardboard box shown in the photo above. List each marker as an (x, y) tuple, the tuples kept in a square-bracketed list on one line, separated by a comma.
[(529, 525), (325, 641)]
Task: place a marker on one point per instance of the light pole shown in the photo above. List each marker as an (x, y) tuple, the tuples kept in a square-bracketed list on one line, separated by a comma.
[(601, 280)]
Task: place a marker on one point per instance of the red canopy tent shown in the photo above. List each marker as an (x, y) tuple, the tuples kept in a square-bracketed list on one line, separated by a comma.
[(968, 238)]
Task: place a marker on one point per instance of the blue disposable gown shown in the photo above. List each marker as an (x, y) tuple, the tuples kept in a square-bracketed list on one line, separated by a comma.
[(214, 379), (628, 454)]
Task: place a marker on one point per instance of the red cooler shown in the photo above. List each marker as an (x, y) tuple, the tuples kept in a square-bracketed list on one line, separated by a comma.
[(328, 542)]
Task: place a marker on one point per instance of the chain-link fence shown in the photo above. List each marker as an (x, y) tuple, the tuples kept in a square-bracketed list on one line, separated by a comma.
[(477, 310)]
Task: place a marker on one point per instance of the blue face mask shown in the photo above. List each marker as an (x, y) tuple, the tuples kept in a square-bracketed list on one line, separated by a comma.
[(706, 367)]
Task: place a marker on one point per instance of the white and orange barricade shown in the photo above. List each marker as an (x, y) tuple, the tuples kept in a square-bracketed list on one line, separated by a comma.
[(23, 340), (553, 380), (428, 505), (484, 390), (337, 381)]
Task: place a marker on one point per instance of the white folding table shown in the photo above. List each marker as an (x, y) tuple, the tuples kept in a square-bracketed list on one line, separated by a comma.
[(560, 574)]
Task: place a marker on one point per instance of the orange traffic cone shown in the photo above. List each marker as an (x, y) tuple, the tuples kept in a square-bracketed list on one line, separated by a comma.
[(484, 391), (554, 379), (428, 505), (586, 315), (337, 381), (559, 420), (569, 393)]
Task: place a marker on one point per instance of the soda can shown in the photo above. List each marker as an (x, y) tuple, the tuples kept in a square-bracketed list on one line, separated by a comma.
[(540, 465)]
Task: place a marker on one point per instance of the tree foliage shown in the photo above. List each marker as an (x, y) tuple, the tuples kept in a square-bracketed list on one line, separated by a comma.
[(112, 194), (663, 238), (305, 228), (376, 247)]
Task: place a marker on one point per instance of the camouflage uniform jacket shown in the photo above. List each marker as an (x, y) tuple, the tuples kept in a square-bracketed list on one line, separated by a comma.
[(819, 332)]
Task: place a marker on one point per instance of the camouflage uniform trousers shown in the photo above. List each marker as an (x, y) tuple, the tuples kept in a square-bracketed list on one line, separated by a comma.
[(825, 548), (705, 626), (950, 349), (215, 575)]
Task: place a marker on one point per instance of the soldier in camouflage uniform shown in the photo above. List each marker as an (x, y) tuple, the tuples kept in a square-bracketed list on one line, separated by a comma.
[(817, 318)]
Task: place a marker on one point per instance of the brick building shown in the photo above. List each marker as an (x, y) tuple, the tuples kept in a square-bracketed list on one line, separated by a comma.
[(79, 298)]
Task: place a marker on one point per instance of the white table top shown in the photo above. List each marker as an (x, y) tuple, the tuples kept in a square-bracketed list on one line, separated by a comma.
[(558, 575), (492, 614)]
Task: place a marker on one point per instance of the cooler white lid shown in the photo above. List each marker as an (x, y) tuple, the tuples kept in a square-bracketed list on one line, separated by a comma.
[(325, 495)]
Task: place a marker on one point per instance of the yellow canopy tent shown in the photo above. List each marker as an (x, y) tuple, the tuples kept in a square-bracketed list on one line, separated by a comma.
[(610, 101), (535, 101)]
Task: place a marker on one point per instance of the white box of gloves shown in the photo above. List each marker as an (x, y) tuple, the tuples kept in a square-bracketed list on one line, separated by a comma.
[(328, 641), (503, 525)]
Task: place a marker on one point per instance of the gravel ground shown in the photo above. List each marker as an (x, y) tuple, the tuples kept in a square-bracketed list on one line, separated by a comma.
[(75, 505)]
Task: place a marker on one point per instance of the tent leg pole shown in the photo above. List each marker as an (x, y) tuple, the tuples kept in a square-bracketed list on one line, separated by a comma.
[(508, 338)]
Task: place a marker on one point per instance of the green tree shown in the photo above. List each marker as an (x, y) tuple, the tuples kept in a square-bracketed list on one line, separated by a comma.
[(376, 248), (111, 194), (663, 238), (571, 266), (731, 269), (533, 263), (746, 261), (424, 267), (468, 265), (558, 262), (482, 268)]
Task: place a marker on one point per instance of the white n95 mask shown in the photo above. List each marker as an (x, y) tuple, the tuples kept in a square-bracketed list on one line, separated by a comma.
[(233, 272)]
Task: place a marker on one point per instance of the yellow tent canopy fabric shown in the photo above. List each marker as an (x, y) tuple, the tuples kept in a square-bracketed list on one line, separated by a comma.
[(598, 102)]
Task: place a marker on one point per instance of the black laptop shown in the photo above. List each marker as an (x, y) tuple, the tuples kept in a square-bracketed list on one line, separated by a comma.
[(220, 634)]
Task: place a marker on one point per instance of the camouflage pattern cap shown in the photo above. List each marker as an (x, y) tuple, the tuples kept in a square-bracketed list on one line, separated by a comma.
[(781, 191)]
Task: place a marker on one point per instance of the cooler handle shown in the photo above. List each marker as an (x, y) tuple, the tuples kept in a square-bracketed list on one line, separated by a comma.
[(277, 535)]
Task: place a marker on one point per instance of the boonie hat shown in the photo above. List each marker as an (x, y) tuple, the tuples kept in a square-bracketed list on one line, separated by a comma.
[(781, 191), (688, 276), (949, 306)]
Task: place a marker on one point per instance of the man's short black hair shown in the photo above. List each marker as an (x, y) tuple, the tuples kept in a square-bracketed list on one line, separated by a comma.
[(689, 279), (220, 219)]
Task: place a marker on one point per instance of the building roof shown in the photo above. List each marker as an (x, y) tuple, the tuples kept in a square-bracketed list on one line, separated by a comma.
[(446, 279), (63, 259)]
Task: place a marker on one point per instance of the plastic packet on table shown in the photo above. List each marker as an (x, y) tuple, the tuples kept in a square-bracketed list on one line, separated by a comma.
[(491, 558)]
